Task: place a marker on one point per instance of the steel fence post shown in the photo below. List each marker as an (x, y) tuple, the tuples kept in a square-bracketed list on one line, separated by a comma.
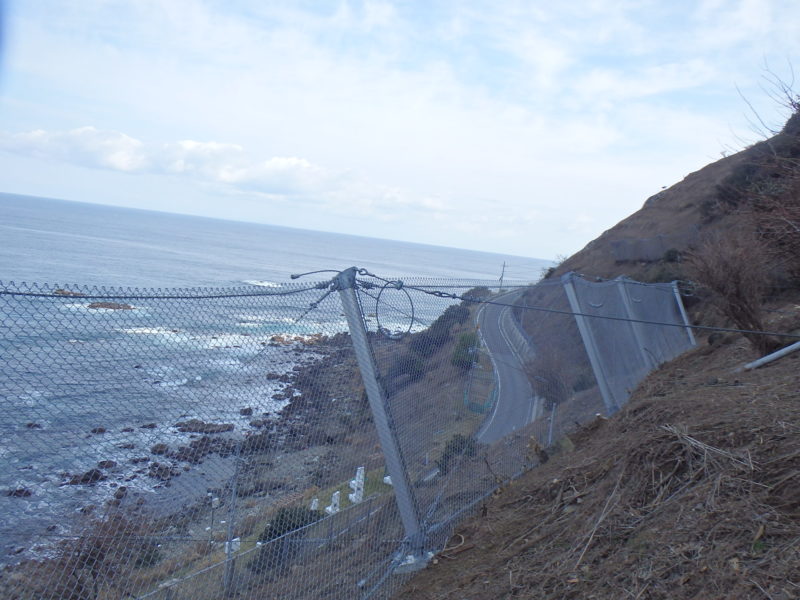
[(589, 343), (345, 284), (230, 559), (638, 332), (682, 309)]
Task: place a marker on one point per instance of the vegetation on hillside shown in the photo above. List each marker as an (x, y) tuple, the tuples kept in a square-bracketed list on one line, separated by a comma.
[(691, 491)]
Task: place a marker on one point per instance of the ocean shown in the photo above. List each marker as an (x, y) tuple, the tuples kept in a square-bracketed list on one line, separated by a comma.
[(61, 242), (82, 386)]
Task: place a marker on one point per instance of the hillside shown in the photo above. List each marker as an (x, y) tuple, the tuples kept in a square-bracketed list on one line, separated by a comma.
[(689, 492), (704, 203), (677, 214), (693, 489)]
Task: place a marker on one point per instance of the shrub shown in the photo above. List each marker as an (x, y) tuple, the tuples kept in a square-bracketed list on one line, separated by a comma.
[(479, 293), (550, 377), (458, 313), (775, 214), (463, 354), (584, 381), (766, 188), (98, 564), (425, 343), (407, 364), (733, 268), (275, 552), (456, 446)]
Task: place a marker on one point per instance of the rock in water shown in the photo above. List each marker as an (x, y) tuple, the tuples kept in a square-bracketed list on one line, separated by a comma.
[(159, 448), (91, 476), (198, 426)]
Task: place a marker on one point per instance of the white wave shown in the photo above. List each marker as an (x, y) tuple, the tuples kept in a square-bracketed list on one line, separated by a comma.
[(166, 376), (228, 364), (255, 318), (260, 283), (229, 341), (151, 331), (75, 306), (250, 320)]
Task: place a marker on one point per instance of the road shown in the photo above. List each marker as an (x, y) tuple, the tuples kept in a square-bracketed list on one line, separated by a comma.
[(515, 405)]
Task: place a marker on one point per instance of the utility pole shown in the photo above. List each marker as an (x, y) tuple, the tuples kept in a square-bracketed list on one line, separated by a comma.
[(502, 273)]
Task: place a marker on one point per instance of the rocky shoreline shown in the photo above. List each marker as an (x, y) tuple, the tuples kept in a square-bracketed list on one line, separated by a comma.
[(279, 454)]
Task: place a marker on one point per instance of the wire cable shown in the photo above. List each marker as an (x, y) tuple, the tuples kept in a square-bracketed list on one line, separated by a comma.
[(116, 296), (441, 294)]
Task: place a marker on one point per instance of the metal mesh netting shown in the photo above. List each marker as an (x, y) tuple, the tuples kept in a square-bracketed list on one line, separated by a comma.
[(559, 367), (624, 352), (151, 436), (214, 443), (459, 404)]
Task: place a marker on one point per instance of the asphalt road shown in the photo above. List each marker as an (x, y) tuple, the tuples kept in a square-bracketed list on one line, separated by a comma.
[(516, 404)]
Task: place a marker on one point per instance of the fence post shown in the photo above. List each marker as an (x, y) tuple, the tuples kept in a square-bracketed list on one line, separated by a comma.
[(589, 343), (552, 421), (638, 334), (230, 559), (345, 284), (682, 309)]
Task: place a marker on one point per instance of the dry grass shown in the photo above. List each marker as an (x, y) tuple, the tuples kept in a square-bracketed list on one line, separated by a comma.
[(734, 269), (691, 492)]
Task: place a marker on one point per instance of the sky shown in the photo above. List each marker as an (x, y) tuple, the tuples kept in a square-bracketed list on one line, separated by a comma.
[(519, 127)]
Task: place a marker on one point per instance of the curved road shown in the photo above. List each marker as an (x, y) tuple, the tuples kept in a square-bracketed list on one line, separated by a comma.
[(515, 405)]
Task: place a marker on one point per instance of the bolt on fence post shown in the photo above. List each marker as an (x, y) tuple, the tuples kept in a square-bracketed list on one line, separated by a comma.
[(345, 284), (589, 343)]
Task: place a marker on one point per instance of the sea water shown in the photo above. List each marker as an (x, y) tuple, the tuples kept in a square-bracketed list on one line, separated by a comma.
[(70, 368), (55, 241)]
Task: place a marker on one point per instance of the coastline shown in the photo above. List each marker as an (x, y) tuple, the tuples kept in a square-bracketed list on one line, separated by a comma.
[(175, 468)]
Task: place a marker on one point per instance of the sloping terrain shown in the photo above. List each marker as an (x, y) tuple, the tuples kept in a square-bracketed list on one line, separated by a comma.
[(678, 212), (692, 491), (709, 201)]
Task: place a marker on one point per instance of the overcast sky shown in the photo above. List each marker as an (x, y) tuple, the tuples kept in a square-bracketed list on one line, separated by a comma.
[(523, 127)]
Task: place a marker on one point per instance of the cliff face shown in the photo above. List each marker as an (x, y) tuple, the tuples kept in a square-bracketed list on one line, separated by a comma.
[(756, 188), (674, 218)]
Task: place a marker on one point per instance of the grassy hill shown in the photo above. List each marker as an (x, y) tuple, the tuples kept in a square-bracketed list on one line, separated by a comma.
[(693, 489)]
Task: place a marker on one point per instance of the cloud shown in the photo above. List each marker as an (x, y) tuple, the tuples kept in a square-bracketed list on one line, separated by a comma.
[(398, 112), (85, 146), (282, 178), (611, 86)]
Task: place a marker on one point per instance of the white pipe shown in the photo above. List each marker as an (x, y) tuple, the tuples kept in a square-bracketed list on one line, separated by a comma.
[(774, 356)]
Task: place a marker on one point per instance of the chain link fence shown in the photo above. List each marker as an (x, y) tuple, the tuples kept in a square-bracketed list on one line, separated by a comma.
[(307, 440)]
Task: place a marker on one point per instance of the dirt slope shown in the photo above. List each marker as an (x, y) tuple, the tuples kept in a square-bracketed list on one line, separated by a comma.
[(692, 491), (679, 213)]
